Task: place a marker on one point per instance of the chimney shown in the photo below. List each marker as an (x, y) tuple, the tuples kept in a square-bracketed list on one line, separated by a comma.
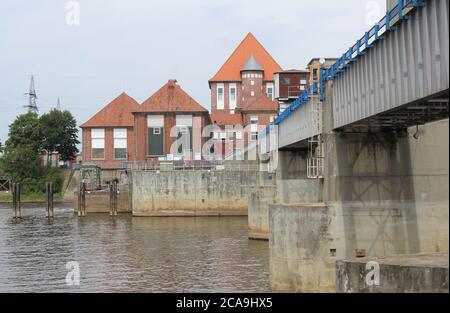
[(172, 83)]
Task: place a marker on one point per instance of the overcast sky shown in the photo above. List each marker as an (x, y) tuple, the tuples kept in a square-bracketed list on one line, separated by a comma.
[(137, 45)]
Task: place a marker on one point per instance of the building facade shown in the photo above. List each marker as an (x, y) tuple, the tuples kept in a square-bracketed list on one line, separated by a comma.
[(108, 138), (167, 126), (243, 90), (289, 85), (170, 125)]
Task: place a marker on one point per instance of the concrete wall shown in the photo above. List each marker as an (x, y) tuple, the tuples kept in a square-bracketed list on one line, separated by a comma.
[(98, 201), (260, 196), (388, 192), (300, 259), (192, 193), (424, 273), (385, 193), (72, 182)]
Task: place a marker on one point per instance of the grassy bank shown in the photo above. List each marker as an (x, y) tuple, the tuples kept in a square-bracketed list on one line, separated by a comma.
[(30, 197)]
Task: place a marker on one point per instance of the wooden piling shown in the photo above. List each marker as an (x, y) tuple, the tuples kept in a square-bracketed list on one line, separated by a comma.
[(113, 198), (82, 200), (49, 189), (17, 214)]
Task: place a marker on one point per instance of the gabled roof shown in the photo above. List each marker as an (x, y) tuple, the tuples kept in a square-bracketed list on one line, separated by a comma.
[(118, 113), (252, 65), (231, 70), (262, 103), (226, 119), (171, 98)]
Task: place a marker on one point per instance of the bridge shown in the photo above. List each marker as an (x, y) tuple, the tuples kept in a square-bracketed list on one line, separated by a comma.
[(361, 158), (394, 77)]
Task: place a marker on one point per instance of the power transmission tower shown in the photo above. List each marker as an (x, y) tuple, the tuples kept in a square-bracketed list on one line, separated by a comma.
[(32, 106), (58, 105)]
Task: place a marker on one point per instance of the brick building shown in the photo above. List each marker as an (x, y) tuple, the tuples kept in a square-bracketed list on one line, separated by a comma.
[(243, 90), (167, 125), (108, 138), (289, 85), (170, 124)]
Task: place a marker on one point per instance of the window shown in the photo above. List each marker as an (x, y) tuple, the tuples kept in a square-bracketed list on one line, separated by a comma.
[(303, 82), (286, 81), (216, 135), (254, 124), (184, 138), (254, 136), (315, 74), (220, 97), (120, 144), (252, 82), (252, 93), (238, 135), (233, 96), (98, 143), (270, 92), (230, 136), (155, 138)]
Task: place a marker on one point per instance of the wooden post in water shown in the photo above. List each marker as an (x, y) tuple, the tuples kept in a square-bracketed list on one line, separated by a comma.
[(82, 200), (49, 190), (17, 214), (113, 198)]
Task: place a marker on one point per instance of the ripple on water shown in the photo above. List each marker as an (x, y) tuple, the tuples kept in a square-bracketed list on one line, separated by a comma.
[(129, 254)]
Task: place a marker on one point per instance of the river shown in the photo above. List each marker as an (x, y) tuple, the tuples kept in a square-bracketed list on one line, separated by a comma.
[(129, 254)]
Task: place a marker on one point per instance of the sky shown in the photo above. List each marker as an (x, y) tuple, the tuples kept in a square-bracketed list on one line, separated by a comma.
[(87, 52)]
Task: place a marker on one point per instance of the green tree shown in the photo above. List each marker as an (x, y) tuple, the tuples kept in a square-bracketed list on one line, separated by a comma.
[(24, 131), (59, 133)]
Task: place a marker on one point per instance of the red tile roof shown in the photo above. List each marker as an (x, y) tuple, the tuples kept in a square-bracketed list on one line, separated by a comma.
[(262, 103), (226, 119), (171, 98), (231, 70), (118, 113)]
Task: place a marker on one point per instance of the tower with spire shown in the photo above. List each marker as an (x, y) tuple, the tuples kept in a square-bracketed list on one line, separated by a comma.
[(246, 75)]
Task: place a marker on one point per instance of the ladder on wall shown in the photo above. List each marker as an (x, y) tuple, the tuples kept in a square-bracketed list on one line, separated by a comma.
[(315, 161)]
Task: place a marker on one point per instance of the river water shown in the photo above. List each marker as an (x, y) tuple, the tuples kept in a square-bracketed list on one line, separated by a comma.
[(129, 254)]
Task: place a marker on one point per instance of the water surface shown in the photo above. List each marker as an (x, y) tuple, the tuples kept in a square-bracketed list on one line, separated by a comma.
[(129, 254)]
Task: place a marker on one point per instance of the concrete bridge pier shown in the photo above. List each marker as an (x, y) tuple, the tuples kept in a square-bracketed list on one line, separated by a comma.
[(383, 193)]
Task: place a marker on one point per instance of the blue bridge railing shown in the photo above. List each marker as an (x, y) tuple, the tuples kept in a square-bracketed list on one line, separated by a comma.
[(359, 48)]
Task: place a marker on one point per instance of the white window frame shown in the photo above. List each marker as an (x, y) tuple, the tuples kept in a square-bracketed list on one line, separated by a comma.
[(220, 102), (98, 142), (120, 135), (233, 103), (272, 87)]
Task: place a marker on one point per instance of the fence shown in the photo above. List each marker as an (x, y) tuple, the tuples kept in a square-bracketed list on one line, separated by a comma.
[(191, 165)]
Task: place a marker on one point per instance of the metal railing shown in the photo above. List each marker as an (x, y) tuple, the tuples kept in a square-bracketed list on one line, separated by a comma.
[(185, 165)]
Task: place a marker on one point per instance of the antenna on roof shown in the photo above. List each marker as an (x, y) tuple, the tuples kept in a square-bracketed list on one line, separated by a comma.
[(32, 106)]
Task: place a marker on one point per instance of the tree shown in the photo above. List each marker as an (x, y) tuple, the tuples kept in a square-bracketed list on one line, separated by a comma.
[(24, 131), (59, 133)]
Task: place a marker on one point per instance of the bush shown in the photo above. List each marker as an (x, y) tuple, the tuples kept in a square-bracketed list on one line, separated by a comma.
[(54, 175)]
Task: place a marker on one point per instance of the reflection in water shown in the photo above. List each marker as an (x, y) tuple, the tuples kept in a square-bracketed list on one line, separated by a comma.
[(127, 254)]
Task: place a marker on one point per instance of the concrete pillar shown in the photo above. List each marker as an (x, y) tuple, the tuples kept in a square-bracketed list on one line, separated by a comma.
[(300, 256), (260, 197)]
